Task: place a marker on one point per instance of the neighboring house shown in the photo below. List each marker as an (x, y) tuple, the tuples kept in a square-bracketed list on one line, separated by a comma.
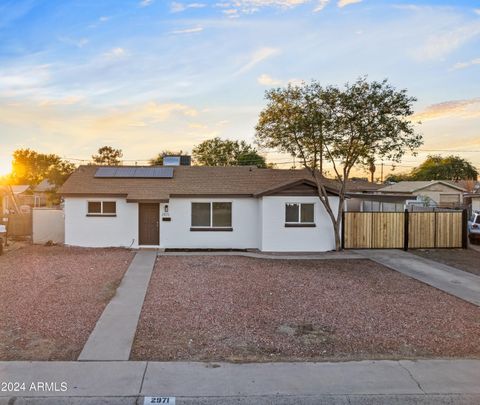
[(475, 202), (23, 197), (439, 193), (41, 193), (239, 207), (473, 199)]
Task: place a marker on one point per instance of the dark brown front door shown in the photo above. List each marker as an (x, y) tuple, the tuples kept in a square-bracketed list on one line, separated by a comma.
[(149, 224)]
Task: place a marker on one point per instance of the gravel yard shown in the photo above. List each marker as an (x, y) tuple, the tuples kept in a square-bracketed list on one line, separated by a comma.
[(462, 259), (243, 309), (52, 297)]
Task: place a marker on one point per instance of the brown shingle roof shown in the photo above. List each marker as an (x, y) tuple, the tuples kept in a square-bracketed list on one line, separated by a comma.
[(187, 180)]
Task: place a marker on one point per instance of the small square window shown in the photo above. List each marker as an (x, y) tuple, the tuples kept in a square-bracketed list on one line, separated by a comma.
[(306, 213), (297, 213), (200, 214), (109, 207), (94, 207), (291, 212), (222, 214)]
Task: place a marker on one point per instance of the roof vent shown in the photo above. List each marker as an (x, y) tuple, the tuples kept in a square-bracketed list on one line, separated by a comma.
[(183, 160)]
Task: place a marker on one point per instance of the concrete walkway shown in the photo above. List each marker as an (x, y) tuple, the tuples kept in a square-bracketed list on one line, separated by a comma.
[(449, 279), (114, 332), (248, 383), (343, 255)]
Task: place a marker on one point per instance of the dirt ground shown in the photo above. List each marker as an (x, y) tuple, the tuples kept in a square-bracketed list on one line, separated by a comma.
[(243, 309), (51, 298), (462, 259)]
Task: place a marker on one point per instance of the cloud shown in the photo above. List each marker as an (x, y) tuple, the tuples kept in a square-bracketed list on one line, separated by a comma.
[(257, 57), (344, 3), (266, 80), (104, 18), (143, 115), (176, 7), (236, 7), (21, 80), (321, 5), (146, 3), (188, 30), (115, 53), (463, 65), (477, 11), (469, 108), (441, 44)]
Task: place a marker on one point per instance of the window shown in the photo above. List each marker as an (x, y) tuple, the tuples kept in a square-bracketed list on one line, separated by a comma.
[(212, 216), (298, 214), (102, 208)]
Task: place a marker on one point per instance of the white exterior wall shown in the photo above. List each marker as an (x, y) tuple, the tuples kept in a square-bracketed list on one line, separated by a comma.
[(245, 224), (48, 225), (256, 223), (119, 231), (276, 237)]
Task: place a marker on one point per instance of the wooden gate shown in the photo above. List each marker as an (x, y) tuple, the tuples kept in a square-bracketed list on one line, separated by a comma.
[(403, 230), (19, 225)]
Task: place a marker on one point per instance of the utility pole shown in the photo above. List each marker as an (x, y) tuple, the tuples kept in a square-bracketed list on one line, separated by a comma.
[(381, 172)]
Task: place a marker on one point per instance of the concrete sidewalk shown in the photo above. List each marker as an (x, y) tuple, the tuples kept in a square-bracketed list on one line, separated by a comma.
[(190, 382), (114, 332), (460, 283)]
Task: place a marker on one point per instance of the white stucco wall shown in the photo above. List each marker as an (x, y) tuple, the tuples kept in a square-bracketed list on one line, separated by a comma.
[(256, 223), (245, 224), (119, 231), (276, 237), (48, 224)]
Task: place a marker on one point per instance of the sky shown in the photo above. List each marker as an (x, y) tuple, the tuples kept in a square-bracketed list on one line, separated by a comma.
[(150, 75)]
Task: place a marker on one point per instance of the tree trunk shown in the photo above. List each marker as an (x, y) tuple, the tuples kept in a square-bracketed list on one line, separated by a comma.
[(338, 240)]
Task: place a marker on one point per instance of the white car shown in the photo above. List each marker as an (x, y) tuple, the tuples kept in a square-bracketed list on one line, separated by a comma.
[(474, 223)]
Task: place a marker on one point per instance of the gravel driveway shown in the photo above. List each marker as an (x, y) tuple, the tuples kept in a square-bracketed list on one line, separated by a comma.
[(244, 309), (51, 298)]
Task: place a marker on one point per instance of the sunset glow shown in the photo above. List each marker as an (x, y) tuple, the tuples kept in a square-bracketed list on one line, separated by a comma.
[(147, 76)]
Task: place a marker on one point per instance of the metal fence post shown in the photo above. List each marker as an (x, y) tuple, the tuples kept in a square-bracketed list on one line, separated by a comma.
[(464, 228), (405, 230)]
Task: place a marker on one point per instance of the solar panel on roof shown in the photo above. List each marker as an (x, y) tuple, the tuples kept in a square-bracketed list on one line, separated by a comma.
[(135, 172), (105, 172)]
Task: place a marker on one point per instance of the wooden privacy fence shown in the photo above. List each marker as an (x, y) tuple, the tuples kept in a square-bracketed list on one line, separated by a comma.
[(19, 225), (404, 230)]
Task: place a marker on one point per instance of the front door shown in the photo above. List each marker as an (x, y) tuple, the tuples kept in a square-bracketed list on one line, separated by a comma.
[(149, 224)]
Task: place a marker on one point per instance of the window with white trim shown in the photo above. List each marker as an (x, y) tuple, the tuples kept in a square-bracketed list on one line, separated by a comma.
[(214, 215), (102, 208), (299, 214)]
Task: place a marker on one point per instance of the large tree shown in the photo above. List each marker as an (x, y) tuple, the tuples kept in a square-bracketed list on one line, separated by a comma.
[(30, 167), (108, 156), (224, 152), (436, 167), (342, 126)]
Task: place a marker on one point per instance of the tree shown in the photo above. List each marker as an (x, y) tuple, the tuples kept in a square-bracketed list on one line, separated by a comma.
[(219, 152), (30, 167), (108, 156), (436, 167), (345, 126), (158, 160)]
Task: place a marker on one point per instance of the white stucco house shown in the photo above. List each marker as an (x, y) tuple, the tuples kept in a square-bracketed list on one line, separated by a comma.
[(190, 207)]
